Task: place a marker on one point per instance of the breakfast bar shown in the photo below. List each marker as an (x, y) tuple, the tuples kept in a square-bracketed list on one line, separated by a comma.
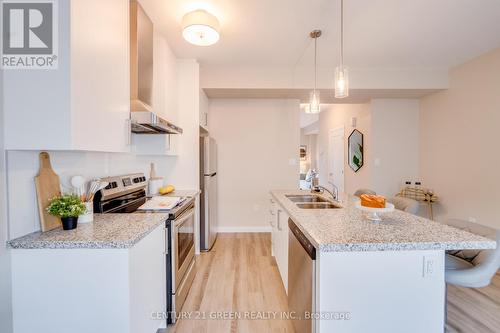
[(373, 276)]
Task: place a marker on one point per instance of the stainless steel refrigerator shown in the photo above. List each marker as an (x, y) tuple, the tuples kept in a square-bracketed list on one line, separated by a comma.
[(208, 184)]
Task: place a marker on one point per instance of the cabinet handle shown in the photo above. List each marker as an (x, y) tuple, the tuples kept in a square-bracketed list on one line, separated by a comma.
[(279, 224), (128, 133)]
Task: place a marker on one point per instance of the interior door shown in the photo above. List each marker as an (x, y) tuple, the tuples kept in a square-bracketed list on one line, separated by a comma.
[(336, 158)]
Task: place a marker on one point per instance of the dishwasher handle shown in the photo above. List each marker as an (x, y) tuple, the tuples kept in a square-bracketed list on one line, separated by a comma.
[(302, 239)]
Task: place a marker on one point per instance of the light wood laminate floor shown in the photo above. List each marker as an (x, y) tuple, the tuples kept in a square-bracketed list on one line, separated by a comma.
[(474, 310), (240, 275)]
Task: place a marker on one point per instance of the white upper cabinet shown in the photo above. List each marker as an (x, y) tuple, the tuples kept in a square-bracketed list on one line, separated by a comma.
[(204, 104), (84, 104)]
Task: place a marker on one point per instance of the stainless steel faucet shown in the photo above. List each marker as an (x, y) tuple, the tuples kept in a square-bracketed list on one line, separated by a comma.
[(321, 189), (316, 188), (335, 190)]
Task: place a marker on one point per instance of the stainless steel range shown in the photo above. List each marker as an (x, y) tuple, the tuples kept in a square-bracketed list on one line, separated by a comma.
[(125, 194)]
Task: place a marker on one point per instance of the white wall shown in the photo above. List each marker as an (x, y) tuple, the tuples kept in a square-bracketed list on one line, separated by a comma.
[(390, 130), (338, 115), (459, 142), (256, 141), (395, 144), (5, 277), (23, 167)]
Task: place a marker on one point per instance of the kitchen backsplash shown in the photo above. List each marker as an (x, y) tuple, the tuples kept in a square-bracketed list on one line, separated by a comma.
[(22, 167)]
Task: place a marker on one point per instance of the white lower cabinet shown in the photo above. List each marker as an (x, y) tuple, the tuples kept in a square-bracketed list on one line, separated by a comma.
[(279, 226), (90, 290), (272, 221)]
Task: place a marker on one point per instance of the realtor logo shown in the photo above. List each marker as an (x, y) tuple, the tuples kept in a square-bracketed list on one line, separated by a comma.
[(29, 34)]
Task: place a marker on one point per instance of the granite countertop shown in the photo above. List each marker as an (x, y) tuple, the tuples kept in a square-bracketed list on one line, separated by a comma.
[(107, 231), (346, 229)]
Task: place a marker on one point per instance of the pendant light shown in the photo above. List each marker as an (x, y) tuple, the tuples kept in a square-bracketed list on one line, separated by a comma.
[(314, 103), (341, 72)]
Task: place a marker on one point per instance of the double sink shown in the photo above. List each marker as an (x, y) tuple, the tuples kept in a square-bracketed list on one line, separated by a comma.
[(311, 201)]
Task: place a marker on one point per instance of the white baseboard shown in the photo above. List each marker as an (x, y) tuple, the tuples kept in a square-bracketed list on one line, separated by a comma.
[(243, 229)]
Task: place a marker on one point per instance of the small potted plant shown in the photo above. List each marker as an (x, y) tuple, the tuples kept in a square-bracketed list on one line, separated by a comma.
[(68, 208)]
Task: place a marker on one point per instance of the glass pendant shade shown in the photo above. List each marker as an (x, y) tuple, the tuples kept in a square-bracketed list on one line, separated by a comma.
[(341, 82), (314, 104)]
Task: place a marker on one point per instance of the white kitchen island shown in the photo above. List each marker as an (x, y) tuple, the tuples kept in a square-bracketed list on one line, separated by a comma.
[(383, 276)]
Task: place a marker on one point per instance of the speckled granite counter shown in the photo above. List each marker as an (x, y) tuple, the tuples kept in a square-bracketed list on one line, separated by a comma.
[(117, 231), (346, 229), (108, 231)]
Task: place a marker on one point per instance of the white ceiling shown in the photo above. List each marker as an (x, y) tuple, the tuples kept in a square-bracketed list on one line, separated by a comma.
[(378, 33)]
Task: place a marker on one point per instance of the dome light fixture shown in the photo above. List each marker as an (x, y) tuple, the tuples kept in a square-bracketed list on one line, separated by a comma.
[(200, 28)]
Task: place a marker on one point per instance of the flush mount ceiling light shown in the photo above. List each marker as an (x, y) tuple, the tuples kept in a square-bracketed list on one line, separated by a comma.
[(314, 104), (341, 72), (200, 28)]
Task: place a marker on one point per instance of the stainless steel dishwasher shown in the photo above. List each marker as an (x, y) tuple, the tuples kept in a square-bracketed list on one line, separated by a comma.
[(301, 279)]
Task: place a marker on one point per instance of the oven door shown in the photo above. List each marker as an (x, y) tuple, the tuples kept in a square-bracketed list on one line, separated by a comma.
[(182, 247)]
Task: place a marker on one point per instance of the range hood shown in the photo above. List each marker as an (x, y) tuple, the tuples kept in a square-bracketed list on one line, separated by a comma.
[(143, 119)]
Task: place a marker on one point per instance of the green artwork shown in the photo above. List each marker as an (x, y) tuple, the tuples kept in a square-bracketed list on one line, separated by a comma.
[(355, 143)]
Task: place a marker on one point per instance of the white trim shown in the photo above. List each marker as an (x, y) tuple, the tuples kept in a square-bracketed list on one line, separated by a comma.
[(243, 229), (338, 132)]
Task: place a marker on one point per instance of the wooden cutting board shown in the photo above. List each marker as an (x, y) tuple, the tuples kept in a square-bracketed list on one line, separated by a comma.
[(47, 187)]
